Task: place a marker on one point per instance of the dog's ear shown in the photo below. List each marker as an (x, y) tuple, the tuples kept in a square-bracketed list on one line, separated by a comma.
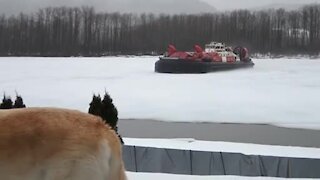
[(6, 102), (108, 111), (95, 105), (18, 103)]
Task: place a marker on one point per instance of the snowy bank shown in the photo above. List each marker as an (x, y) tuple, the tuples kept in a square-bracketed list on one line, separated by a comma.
[(215, 146), (158, 176)]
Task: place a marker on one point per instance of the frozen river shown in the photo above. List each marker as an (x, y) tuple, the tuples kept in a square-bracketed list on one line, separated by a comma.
[(282, 92)]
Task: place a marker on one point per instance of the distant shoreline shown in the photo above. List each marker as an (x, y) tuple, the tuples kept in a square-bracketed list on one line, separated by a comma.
[(242, 133)]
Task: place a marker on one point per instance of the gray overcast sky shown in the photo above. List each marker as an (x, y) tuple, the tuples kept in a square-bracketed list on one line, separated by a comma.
[(16, 6), (235, 4)]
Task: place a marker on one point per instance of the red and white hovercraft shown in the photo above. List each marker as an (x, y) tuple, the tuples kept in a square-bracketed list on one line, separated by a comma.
[(215, 57)]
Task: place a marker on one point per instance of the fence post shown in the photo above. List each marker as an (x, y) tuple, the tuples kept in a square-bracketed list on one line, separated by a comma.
[(135, 158), (224, 169), (191, 165)]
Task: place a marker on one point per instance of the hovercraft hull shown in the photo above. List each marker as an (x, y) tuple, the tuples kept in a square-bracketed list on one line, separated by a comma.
[(179, 66)]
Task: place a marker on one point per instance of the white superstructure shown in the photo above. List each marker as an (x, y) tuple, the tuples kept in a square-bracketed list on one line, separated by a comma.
[(221, 49)]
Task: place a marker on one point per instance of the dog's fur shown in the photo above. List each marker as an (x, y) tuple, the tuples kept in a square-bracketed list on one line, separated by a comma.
[(57, 144)]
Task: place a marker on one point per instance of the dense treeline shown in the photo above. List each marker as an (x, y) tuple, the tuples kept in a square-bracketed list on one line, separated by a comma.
[(83, 32)]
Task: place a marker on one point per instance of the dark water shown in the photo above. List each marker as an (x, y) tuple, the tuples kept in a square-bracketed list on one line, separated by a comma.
[(245, 133)]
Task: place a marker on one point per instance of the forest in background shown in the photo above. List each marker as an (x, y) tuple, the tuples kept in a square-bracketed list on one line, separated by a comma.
[(81, 31)]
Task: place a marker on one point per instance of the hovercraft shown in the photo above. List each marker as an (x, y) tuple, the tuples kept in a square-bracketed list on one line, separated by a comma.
[(215, 57)]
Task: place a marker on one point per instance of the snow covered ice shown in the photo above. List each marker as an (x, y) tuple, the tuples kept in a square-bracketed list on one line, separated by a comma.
[(283, 92)]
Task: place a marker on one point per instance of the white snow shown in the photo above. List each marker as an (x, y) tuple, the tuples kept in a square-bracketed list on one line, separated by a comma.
[(283, 92), (159, 176), (228, 147)]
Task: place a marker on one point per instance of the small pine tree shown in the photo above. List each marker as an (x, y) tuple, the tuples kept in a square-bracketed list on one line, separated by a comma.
[(6, 103), (18, 103)]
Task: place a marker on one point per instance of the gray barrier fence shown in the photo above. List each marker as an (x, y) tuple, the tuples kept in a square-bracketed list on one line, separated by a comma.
[(148, 159)]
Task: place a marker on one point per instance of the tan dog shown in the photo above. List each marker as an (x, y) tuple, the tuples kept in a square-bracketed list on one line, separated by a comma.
[(57, 144)]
